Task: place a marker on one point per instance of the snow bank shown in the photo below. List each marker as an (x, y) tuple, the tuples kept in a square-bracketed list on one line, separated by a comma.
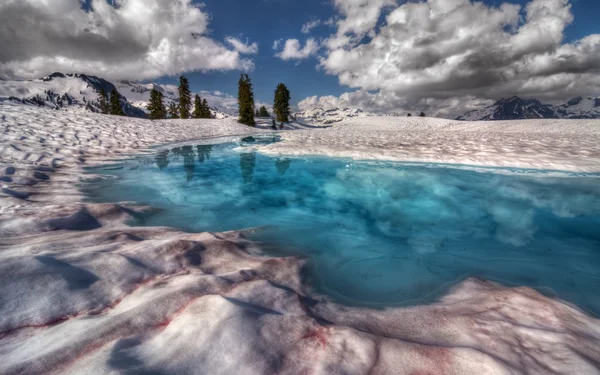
[(83, 293), (572, 145)]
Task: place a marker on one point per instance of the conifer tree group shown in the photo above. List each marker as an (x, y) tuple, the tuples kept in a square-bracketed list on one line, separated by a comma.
[(201, 109), (262, 112), (173, 111), (246, 101), (156, 106), (115, 103), (185, 98), (281, 103), (103, 101)]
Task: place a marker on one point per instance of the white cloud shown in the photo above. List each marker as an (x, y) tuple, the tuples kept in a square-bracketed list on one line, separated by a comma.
[(241, 47), (277, 44), (293, 51), (438, 52), (140, 39), (307, 27)]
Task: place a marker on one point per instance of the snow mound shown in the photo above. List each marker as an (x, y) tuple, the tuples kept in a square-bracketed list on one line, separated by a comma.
[(82, 293), (572, 145)]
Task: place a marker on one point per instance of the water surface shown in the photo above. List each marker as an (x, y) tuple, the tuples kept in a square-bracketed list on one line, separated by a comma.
[(379, 233)]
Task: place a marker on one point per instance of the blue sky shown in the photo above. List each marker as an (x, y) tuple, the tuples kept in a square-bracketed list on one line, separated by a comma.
[(444, 57), (264, 21)]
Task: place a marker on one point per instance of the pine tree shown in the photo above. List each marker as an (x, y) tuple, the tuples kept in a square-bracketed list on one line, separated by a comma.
[(263, 112), (246, 101), (185, 98), (409, 115), (422, 114), (205, 109), (115, 103), (103, 101), (173, 111), (281, 103), (198, 110), (156, 106)]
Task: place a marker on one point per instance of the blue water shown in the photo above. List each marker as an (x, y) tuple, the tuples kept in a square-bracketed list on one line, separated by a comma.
[(379, 233)]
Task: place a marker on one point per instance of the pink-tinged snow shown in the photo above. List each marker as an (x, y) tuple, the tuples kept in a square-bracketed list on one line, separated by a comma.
[(572, 145), (83, 293)]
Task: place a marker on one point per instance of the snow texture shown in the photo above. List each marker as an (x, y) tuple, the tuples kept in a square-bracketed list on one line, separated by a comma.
[(82, 293), (553, 144)]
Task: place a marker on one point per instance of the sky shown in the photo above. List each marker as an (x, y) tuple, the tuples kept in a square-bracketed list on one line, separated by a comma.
[(444, 57)]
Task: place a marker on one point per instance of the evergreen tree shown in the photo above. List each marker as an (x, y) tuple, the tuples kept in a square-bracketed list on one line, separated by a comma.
[(103, 101), (281, 104), (198, 110), (156, 106), (115, 104), (246, 101), (205, 109), (263, 112), (409, 115), (185, 98), (173, 111), (274, 124), (422, 114), (256, 114)]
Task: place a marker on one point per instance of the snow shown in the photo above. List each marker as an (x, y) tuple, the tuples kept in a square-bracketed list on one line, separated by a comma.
[(577, 108), (552, 144), (77, 89), (581, 107), (81, 292)]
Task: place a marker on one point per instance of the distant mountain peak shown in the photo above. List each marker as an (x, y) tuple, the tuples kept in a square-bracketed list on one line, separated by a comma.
[(330, 116), (516, 108)]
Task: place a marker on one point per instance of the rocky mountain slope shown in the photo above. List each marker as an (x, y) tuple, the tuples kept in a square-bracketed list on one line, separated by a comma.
[(580, 107), (79, 92), (64, 91), (515, 108)]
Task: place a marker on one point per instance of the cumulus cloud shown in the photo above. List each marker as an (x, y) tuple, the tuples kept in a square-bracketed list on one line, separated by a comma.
[(293, 51), (241, 47), (138, 39), (307, 27), (436, 52)]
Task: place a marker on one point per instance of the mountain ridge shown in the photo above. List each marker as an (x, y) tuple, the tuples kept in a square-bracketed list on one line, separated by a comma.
[(516, 108), (74, 91)]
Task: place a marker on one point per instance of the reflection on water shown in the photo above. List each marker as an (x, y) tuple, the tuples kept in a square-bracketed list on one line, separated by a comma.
[(247, 163), (282, 165), (162, 159), (380, 233), (203, 152)]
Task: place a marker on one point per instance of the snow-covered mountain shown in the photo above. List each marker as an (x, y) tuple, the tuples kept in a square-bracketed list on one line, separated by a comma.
[(580, 107), (513, 108), (64, 91), (80, 92), (516, 108), (329, 116)]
